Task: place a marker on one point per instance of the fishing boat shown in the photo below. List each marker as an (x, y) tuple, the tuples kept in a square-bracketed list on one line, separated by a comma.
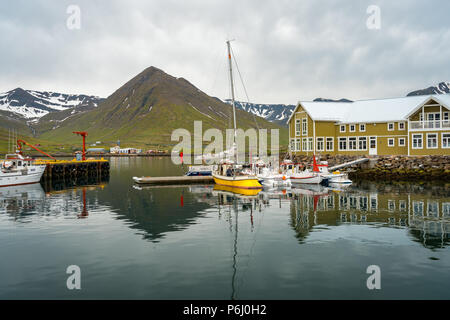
[(331, 177), (16, 169), (228, 172)]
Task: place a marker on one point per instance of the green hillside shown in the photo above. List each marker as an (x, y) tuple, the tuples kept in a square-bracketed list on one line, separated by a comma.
[(146, 110)]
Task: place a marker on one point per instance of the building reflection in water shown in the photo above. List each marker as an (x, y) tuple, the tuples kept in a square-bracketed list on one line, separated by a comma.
[(426, 215), (424, 211)]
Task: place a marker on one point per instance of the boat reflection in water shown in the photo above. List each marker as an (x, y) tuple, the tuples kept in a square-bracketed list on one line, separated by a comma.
[(53, 198)]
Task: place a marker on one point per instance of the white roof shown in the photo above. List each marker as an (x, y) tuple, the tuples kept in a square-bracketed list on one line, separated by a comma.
[(376, 110)]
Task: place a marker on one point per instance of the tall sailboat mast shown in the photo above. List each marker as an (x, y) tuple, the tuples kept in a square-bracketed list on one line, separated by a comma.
[(232, 93)]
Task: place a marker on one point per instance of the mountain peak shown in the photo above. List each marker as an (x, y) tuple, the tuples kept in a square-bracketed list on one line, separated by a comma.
[(441, 88)]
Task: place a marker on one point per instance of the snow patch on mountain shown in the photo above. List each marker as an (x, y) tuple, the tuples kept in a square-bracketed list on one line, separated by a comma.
[(31, 104), (278, 113)]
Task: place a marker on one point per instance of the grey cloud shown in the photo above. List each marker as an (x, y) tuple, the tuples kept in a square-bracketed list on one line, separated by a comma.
[(286, 50)]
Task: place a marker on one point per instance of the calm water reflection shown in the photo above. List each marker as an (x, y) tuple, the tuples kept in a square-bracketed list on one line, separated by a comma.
[(197, 242)]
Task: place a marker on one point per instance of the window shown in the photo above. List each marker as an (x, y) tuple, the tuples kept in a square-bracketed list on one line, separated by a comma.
[(362, 128), (417, 141), (401, 142), (391, 142), (445, 117), (310, 144), (305, 126), (305, 144), (352, 128), (401, 126), (391, 205), (402, 205), (320, 144), (362, 143), (352, 143), (417, 208), (432, 141), (446, 209), (342, 144), (391, 126), (433, 209), (342, 128), (297, 127), (330, 144), (445, 140), (292, 144), (297, 145)]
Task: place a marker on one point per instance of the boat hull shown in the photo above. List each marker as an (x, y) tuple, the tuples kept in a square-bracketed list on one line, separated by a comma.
[(17, 178), (243, 182), (316, 179)]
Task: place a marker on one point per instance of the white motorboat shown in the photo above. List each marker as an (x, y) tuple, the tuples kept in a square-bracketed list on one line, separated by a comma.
[(332, 177), (306, 177), (269, 177), (17, 170), (200, 171)]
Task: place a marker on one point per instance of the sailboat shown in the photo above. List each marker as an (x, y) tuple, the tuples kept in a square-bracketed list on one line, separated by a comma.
[(228, 172)]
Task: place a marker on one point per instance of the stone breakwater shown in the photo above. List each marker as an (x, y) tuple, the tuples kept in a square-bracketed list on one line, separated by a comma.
[(390, 168)]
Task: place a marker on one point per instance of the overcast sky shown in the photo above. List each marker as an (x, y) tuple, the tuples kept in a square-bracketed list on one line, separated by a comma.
[(286, 50)]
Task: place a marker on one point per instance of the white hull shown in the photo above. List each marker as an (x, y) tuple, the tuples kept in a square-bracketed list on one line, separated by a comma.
[(32, 175), (306, 179)]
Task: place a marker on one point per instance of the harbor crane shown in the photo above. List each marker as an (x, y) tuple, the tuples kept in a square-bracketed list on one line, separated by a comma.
[(83, 134), (19, 146)]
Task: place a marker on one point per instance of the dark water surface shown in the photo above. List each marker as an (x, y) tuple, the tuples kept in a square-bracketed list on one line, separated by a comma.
[(194, 242)]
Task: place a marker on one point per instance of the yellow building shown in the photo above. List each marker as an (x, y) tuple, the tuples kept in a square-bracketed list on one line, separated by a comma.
[(418, 125)]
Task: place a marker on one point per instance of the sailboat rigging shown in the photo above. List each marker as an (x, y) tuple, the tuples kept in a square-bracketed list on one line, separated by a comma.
[(229, 172)]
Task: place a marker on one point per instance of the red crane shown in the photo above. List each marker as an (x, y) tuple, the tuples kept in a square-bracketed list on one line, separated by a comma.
[(83, 134), (19, 146)]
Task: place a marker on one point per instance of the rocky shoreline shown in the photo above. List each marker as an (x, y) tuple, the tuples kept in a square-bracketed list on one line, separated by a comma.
[(392, 168)]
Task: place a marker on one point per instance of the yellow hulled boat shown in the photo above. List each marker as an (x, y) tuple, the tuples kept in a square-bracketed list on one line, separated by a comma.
[(239, 191), (242, 182)]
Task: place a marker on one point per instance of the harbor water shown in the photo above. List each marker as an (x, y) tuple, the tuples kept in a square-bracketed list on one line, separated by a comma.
[(198, 242)]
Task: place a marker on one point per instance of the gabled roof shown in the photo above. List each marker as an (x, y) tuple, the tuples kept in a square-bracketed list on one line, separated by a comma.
[(376, 110)]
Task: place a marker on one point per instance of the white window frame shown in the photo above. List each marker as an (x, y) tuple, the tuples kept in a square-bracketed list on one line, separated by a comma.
[(364, 126), (339, 143), (389, 142), (437, 140), (350, 128), (342, 126), (323, 143), (332, 143), (421, 140), (402, 144), (292, 145), (310, 144), (298, 144), (305, 144), (404, 126), (304, 126), (356, 144), (358, 140), (393, 126), (442, 140), (298, 125), (446, 114)]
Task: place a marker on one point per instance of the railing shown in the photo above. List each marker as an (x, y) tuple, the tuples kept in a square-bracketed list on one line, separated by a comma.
[(428, 125)]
